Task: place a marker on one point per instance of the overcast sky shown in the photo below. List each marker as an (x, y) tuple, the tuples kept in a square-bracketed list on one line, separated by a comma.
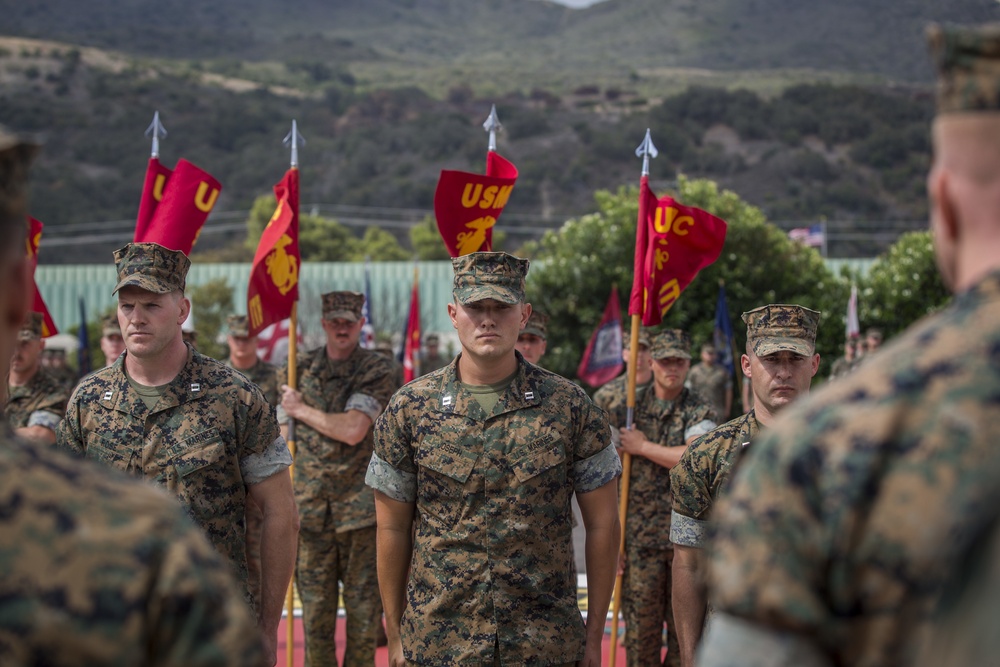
[(576, 3)]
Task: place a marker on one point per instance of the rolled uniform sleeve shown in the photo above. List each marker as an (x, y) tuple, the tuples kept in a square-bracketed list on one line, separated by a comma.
[(49, 420), (393, 482), (692, 498), (594, 472), (255, 468), (392, 469), (699, 429), (369, 405)]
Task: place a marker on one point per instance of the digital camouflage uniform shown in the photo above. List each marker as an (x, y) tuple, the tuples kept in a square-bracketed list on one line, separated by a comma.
[(101, 571), (712, 383), (336, 509), (265, 376), (612, 396), (210, 436), (431, 362), (648, 551), (846, 521), (41, 402), (708, 464), (492, 577), (493, 557), (701, 475)]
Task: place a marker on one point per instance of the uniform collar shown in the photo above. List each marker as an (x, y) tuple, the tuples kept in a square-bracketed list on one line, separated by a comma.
[(188, 386), (522, 393)]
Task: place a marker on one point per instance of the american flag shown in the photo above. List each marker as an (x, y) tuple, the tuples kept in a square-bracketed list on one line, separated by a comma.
[(814, 235)]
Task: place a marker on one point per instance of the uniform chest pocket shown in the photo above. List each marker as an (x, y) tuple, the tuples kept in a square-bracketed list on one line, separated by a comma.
[(107, 452), (198, 452), (447, 460), (544, 455)]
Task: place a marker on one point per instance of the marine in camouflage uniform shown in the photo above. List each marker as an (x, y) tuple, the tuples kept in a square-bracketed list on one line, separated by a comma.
[(243, 357), (36, 404), (208, 435), (432, 358), (668, 417), (97, 570), (112, 343), (533, 339), (780, 363), (846, 521), (485, 471), (713, 382), (342, 389)]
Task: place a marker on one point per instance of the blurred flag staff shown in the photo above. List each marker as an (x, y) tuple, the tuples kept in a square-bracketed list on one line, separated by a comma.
[(273, 296)]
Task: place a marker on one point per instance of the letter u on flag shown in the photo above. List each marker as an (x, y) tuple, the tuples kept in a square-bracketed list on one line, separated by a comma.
[(602, 360), (678, 242), (188, 197), (468, 205), (274, 276)]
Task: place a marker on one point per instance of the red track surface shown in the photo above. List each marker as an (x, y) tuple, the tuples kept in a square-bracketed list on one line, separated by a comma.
[(381, 656)]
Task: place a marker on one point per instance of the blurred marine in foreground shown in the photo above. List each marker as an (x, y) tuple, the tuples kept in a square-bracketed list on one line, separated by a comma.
[(849, 519)]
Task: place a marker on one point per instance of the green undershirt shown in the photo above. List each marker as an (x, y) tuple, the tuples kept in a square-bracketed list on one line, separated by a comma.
[(488, 395), (149, 395)]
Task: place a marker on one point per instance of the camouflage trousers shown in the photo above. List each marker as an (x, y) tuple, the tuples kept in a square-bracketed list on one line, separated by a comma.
[(324, 560), (646, 608), (254, 527)]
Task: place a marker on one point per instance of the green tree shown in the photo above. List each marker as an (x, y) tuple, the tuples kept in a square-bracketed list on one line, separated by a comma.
[(576, 266), (380, 246), (426, 240), (902, 286), (211, 303)]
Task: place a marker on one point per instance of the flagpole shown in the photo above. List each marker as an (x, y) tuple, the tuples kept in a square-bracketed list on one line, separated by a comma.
[(295, 140), (646, 150)]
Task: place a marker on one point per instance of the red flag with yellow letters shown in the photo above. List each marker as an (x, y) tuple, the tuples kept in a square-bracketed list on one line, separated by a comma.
[(679, 242), (274, 277), (38, 304), (157, 176), (467, 205), (189, 194)]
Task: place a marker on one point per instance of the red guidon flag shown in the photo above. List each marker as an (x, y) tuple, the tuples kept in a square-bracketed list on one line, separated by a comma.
[(602, 360), (411, 344), (467, 205), (188, 196), (274, 277), (678, 241), (152, 193), (38, 304)]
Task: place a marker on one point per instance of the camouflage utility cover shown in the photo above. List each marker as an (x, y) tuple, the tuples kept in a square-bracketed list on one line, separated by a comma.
[(671, 343), (31, 328), (968, 63), (329, 474), (489, 275), (847, 517), (537, 324), (702, 474), (151, 267), (101, 571), (343, 306), (667, 424), (493, 557), (780, 327), (41, 402), (194, 442)]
